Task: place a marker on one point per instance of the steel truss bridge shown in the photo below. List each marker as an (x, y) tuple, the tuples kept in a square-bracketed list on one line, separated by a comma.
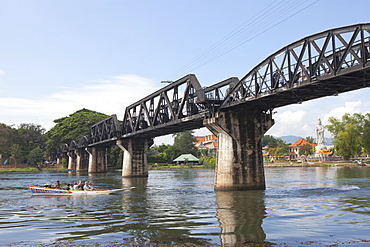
[(323, 64)]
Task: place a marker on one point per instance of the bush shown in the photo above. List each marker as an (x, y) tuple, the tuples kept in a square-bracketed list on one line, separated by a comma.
[(207, 162)]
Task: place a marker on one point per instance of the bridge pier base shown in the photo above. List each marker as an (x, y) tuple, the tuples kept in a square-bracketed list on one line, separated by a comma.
[(97, 160), (82, 161), (239, 163), (134, 156), (71, 160)]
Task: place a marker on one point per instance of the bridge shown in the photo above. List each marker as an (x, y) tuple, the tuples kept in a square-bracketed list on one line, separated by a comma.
[(239, 112)]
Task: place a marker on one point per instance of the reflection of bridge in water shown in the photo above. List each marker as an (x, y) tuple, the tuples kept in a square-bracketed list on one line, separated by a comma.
[(239, 112)]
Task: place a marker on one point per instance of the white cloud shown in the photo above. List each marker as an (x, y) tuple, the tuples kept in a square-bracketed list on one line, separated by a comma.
[(349, 107), (110, 96), (288, 123)]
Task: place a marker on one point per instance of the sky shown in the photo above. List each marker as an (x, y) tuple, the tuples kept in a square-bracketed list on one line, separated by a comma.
[(57, 57)]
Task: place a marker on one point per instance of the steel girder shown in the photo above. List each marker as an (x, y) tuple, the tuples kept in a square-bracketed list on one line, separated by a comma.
[(171, 109), (319, 65), (327, 63), (104, 131)]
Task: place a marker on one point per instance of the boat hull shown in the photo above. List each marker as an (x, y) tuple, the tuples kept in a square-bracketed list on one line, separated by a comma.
[(38, 190)]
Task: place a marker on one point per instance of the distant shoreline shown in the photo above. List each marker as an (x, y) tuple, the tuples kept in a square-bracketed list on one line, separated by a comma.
[(309, 164), (10, 168)]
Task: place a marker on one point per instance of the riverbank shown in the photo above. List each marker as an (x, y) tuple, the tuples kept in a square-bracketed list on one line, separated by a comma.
[(29, 168), (308, 164), (24, 168)]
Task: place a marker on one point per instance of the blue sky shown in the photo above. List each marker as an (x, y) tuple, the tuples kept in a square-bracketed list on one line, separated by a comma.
[(59, 56)]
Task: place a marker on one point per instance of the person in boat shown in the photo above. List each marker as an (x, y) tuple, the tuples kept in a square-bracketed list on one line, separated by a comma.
[(69, 187), (58, 185), (80, 185), (91, 186), (87, 186), (75, 186)]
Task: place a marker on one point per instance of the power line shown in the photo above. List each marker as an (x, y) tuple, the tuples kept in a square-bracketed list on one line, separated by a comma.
[(266, 19)]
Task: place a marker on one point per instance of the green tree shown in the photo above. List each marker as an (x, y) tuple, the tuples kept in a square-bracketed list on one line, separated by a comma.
[(310, 139), (16, 153), (30, 136), (72, 128), (350, 134), (348, 142), (8, 137), (366, 134), (269, 140), (36, 156), (184, 142)]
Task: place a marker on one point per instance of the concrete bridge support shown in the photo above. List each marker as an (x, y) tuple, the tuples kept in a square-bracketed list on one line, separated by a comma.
[(135, 156), (239, 164), (97, 159), (72, 160), (82, 161)]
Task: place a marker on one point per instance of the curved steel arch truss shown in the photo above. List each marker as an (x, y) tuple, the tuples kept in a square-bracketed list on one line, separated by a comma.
[(106, 130), (319, 65), (164, 109)]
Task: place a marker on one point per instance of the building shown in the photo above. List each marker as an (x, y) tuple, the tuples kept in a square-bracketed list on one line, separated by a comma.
[(184, 158), (206, 142), (295, 149)]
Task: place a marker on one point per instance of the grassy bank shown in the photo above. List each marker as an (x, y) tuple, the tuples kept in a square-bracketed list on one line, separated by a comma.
[(29, 169), (308, 164)]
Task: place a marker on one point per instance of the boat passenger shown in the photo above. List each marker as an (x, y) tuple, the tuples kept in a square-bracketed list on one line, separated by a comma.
[(80, 185), (57, 185), (68, 187), (87, 186), (91, 186), (75, 186)]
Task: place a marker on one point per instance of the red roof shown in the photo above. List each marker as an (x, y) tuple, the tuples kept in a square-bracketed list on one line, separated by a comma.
[(301, 142)]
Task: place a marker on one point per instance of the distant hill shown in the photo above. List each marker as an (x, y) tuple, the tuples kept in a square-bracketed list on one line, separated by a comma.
[(292, 139)]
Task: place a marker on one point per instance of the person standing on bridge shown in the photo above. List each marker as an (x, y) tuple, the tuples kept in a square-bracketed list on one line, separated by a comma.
[(275, 79)]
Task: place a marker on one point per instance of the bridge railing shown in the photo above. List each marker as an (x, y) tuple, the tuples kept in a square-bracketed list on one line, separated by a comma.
[(325, 54)]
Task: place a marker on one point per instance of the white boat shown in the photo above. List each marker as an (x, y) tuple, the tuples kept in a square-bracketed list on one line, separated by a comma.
[(40, 190)]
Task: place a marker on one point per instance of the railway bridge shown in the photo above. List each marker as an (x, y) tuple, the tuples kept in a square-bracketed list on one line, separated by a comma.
[(237, 111)]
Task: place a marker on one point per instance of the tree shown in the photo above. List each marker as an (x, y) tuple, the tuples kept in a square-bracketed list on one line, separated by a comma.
[(16, 153), (310, 139), (348, 142), (30, 136), (269, 140), (184, 142), (8, 136), (350, 134), (35, 156), (72, 128)]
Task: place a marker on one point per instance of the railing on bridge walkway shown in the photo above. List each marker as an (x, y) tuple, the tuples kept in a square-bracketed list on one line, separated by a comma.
[(320, 65)]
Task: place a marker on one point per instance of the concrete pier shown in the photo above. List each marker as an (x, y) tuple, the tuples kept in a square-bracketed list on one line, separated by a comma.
[(135, 156), (97, 159), (82, 160), (71, 160), (239, 164)]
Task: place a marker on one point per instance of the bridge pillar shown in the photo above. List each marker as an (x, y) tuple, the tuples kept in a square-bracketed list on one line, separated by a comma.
[(72, 160), (82, 161), (134, 156), (97, 159), (239, 163)]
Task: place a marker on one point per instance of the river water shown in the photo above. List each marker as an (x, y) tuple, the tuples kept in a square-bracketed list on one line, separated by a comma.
[(302, 206)]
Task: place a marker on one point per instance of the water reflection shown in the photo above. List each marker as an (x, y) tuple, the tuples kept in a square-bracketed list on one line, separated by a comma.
[(240, 214)]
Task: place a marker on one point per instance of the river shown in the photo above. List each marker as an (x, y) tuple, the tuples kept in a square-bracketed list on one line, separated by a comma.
[(302, 206)]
